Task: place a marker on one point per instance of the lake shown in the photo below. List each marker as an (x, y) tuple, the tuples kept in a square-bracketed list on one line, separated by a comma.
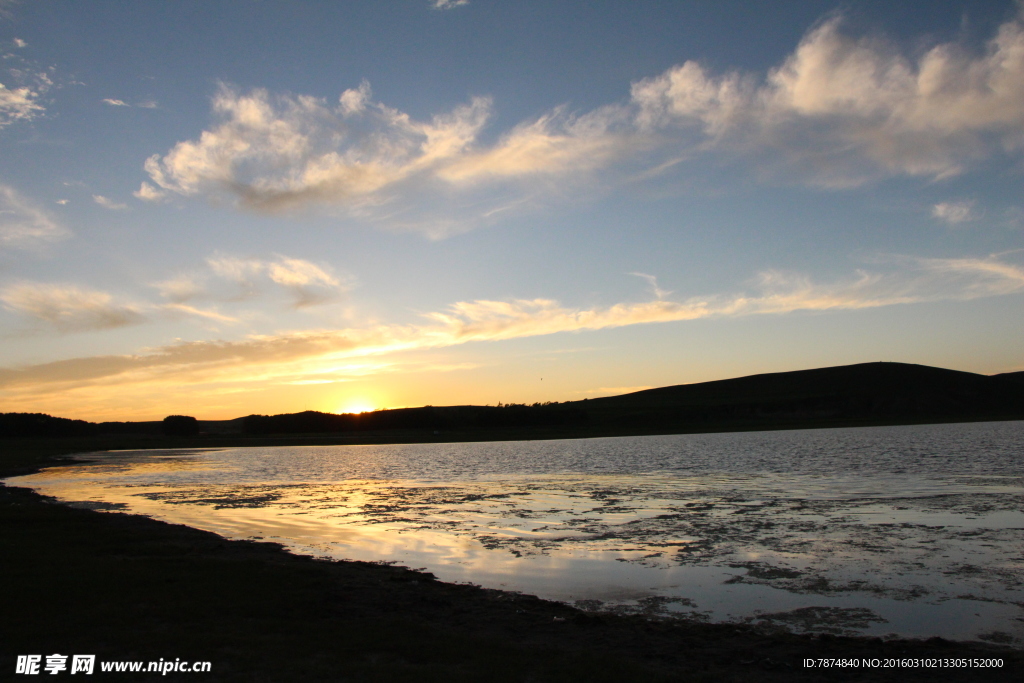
[(910, 531)]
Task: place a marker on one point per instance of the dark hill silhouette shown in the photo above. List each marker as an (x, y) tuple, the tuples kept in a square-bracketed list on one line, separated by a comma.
[(867, 393), (428, 418)]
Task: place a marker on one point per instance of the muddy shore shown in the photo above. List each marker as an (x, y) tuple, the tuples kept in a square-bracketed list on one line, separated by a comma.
[(125, 587)]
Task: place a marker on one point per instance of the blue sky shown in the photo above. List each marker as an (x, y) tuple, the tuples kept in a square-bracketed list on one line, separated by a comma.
[(221, 208)]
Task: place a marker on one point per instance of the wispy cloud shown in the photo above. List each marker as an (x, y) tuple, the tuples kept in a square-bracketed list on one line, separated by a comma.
[(23, 225), (67, 307), (199, 312), (310, 355), (108, 203), (307, 283), (954, 212), (447, 4), (115, 103), (658, 292)]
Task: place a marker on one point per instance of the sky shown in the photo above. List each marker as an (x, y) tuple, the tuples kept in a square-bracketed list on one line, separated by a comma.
[(225, 208)]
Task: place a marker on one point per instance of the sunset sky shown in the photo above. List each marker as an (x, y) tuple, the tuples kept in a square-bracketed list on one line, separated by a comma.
[(224, 208)]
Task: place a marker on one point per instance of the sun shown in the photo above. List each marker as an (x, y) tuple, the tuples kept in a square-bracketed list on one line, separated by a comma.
[(357, 405)]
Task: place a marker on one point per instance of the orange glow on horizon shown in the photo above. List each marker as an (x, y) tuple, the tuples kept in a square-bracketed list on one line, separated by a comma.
[(357, 406)]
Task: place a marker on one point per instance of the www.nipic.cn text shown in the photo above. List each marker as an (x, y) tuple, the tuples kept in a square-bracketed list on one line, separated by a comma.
[(31, 665)]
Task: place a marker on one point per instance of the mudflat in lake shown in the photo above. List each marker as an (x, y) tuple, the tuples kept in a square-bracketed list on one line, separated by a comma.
[(911, 531)]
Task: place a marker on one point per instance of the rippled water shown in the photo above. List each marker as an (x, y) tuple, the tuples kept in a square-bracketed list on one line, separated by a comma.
[(909, 530)]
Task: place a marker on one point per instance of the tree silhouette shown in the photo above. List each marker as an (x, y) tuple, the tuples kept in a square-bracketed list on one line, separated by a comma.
[(180, 425)]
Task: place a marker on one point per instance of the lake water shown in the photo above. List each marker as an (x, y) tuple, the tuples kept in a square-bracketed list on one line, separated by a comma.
[(915, 531)]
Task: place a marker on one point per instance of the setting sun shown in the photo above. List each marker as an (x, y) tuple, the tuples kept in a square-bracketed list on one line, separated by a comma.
[(356, 406)]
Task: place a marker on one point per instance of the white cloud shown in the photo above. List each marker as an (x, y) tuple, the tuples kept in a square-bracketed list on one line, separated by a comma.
[(148, 193), (354, 100), (19, 104), (68, 307), (20, 99), (108, 203), (148, 104), (62, 202), (954, 212), (836, 112), (19, 43), (306, 283), (848, 109), (181, 288), (313, 355), (658, 292), (275, 153), (115, 103), (447, 4), (24, 225)]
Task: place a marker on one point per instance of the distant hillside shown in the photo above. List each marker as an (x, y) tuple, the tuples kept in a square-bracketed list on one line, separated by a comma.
[(867, 393), (428, 418)]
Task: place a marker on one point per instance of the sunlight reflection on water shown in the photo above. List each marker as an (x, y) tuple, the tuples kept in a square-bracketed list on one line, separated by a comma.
[(910, 530)]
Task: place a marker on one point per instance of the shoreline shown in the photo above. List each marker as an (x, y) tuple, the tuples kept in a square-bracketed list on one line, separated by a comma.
[(102, 563)]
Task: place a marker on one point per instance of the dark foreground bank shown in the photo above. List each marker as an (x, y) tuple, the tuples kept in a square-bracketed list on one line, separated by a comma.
[(128, 588)]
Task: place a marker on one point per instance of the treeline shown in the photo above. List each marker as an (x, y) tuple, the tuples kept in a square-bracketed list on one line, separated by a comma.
[(426, 418), (20, 425), (30, 425)]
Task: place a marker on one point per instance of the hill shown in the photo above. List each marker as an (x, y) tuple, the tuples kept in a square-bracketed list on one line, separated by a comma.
[(849, 395), (856, 393)]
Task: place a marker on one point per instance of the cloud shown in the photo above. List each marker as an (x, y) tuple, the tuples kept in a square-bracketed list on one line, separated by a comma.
[(20, 101), (308, 356), (115, 103), (837, 112), (108, 203), (848, 109), (148, 193), (19, 43), (19, 104), (24, 225), (447, 4), (274, 153), (199, 312), (658, 292), (306, 283), (148, 104), (954, 212), (181, 288), (67, 307)]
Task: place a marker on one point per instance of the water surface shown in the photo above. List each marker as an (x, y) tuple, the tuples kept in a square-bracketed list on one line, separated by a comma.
[(916, 531)]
